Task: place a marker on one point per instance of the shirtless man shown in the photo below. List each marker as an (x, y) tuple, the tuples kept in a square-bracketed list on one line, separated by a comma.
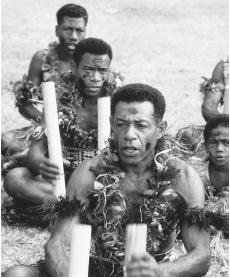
[(216, 135), (136, 118), (56, 64), (70, 30), (32, 183), (213, 89)]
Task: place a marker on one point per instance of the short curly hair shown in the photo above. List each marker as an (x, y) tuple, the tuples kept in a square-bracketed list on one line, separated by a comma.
[(92, 46), (72, 10), (218, 120), (138, 92)]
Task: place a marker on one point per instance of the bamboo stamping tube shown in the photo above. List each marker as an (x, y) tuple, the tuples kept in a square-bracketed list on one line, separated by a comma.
[(136, 236), (103, 108), (226, 87), (80, 250), (53, 135)]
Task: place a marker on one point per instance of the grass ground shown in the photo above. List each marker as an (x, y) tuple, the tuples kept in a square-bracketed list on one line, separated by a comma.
[(168, 44)]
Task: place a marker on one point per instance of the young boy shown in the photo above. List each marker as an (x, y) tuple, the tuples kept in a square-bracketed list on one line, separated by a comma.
[(216, 136)]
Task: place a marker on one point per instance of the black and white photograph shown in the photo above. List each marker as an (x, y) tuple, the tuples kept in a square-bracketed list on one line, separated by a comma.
[(115, 138)]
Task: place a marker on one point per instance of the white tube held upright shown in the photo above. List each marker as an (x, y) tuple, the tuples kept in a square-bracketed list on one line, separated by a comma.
[(53, 134), (80, 250), (103, 108), (136, 236)]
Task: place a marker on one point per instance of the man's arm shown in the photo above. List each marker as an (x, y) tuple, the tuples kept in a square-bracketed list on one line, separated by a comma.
[(38, 163), (212, 99), (196, 240), (210, 104), (35, 69), (35, 76), (57, 249)]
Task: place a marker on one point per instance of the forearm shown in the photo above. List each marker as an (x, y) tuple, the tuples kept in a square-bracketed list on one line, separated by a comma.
[(37, 152), (194, 263), (57, 249), (30, 112), (57, 263)]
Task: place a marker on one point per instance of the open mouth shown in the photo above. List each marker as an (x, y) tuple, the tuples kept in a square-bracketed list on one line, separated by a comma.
[(71, 46), (129, 150), (220, 158)]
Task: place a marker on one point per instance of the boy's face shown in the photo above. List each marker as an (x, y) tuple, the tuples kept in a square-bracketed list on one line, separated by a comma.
[(218, 146)]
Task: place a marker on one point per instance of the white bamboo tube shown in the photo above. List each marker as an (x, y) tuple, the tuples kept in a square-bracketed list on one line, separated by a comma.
[(53, 135), (226, 87), (80, 250), (136, 236), (103, 108)]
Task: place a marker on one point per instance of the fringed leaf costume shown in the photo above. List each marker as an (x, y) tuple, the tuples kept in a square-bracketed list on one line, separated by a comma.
[(110, 208)]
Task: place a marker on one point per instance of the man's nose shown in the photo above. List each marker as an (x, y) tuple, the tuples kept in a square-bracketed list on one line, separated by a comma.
[(96, 76), (130, 134), (74, 35), (220, 147)]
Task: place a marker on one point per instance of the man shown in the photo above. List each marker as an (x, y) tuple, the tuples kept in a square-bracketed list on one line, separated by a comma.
[(134, 177), (78, 125), (216, 136), (56, 64), (191, 137)]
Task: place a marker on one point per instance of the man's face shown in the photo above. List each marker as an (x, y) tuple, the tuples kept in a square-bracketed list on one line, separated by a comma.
[(135, 131), (218, 146), (70, 31), (91, 74)]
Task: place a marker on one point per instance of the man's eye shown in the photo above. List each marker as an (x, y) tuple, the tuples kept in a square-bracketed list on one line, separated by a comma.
[(142, 125), (120, 124), (103, 72), (225, 142), (212, 142)]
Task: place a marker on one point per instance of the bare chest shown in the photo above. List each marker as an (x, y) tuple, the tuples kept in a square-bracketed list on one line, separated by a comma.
[(88, 118), (65, 67)]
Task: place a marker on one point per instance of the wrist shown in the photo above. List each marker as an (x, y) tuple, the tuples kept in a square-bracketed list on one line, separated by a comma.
[(38, 119)]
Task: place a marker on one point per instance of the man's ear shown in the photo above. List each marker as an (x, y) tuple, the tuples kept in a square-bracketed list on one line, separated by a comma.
[(111, 122), (161, 129), (56, 30)]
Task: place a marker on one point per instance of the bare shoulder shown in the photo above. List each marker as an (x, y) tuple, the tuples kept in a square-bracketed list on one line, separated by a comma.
[(35, 68), (218, 71), (189, 184), (82, 179), (37, 58)]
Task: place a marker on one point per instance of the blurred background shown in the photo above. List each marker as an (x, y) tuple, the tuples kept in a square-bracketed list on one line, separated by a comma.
[(168, 44)]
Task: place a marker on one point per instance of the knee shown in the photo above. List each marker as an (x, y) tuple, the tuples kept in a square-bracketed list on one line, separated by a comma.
[(14, 180), (19, 271)]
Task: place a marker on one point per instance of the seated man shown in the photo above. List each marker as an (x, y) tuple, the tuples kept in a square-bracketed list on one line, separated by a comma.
[(56, 64), (135, 180), (216, 135), (191, 137), (78, 125)]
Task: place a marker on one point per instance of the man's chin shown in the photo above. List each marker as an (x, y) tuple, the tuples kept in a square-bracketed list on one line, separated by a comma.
[(131, 159), (221, 163)]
